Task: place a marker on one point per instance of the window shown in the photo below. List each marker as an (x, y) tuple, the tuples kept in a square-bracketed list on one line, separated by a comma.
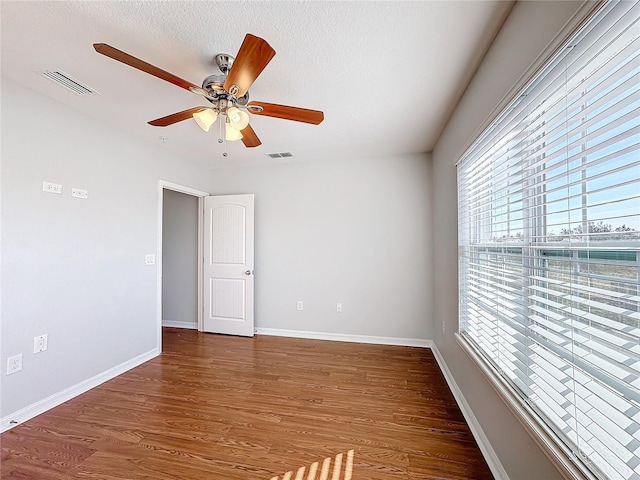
[(549, 245)]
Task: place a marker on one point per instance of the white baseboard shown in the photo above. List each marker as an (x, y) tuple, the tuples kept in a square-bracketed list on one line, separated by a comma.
[(9, 421), (344, 337), (483, 442), (179, 324)]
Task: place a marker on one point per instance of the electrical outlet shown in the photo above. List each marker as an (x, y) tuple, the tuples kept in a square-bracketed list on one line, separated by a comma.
[(339, 307), (299, 305), (52, 188), (444, 328), (149, 259), (14, 364), (40, 343), (79, 193)]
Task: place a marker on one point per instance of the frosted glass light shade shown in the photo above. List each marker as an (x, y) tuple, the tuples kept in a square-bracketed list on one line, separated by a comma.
[(231, 134), (239, 119), (205, 118)]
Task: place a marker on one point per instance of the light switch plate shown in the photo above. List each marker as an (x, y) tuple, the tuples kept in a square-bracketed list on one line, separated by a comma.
[(149, 259)]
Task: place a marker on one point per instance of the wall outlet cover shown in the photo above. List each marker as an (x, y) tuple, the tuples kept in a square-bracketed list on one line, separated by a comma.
[(14, 364), (40, 343), (79, 193), (52, 188)]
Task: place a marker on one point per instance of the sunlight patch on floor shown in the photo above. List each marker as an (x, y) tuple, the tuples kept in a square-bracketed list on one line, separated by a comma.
[(324, 469)]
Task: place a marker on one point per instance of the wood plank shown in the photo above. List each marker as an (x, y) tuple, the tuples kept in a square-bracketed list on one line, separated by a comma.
[(258, 408)]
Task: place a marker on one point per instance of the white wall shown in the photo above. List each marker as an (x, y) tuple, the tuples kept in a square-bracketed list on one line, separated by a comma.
[(71, 268), (355, 232), (528, 30), (179, 260)]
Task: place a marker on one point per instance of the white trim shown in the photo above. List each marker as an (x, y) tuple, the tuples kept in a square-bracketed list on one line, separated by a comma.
[(561, 457), (163, 184), (179, 324), (483, 442), (56, 399), (182, 189), (159, 267), (200, 324), (344, 337)]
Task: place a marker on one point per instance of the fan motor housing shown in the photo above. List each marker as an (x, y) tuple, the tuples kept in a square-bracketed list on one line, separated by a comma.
[(214, 83)]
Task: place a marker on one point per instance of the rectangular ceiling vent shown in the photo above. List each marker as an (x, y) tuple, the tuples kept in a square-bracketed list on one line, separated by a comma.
[(279, 155), (68, 82)]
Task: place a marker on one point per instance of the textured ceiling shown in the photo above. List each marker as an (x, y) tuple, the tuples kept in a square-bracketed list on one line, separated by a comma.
[(386, 74)]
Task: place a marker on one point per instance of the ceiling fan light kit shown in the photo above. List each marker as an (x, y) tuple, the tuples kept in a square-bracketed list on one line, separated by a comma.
[(205, 118), (238, 119), (231, 134), (228, 93)]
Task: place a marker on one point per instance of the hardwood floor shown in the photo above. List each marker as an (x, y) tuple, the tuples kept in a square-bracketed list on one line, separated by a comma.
[(218, 407)]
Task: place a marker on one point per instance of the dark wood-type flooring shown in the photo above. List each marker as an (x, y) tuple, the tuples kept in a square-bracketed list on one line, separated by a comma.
[(219, 407)]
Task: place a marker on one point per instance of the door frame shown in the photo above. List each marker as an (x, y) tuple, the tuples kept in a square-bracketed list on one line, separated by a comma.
[(162, 186)]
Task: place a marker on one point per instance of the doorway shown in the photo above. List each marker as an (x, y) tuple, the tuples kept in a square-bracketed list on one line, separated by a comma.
[(227, 292), (179, 273), (179, 260)]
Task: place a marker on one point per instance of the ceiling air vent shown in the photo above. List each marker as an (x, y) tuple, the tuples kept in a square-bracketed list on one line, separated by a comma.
[(279, 155), (69, 83)]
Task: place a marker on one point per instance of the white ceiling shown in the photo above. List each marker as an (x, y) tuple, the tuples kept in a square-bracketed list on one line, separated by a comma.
[(386, 74)]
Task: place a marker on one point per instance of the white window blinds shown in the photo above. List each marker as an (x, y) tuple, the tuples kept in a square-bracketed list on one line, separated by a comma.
[(549, 244)]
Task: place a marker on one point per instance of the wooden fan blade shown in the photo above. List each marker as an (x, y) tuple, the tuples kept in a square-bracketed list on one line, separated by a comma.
[(253, 56), (288, 113), (134, 62), (249, 137), (176, 117)]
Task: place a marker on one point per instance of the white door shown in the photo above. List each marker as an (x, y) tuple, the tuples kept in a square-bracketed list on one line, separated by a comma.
[(228, 265)]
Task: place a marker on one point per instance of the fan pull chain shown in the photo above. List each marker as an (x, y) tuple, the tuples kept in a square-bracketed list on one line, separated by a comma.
[(220, 138)]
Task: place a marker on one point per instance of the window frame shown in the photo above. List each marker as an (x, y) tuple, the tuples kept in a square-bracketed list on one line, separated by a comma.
[(571, 465)]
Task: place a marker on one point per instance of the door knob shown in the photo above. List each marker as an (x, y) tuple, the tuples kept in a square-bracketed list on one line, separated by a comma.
[(248, 272)]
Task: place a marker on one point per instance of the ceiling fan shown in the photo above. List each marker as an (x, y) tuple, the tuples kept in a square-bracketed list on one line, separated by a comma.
[(228, 93)]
